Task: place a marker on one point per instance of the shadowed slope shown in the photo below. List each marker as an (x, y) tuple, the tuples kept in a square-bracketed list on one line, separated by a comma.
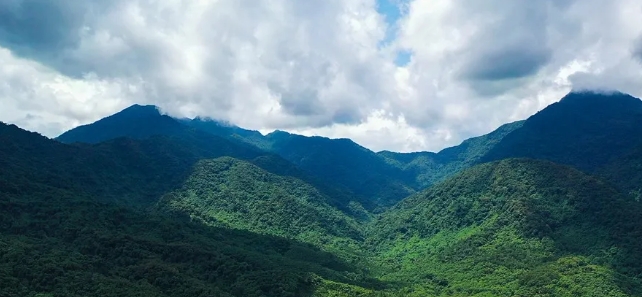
[(585, 130), (57, 238)]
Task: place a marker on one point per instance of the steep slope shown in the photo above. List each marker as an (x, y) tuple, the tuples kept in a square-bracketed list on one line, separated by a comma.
[(514, 228), (237, 194), (339, 162), (133, 172), (187, 141), (626, 172), (58, 239), (343, 162), (138, 172), (429, 168), (136, 121), (228, 130), (585, 130)]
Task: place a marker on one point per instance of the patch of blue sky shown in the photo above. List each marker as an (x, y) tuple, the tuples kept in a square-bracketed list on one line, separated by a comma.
[(392, 11), (403, 58)]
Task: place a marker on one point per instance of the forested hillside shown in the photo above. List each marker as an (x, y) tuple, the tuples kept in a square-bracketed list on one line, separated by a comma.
[(231, 193), (513, 228), (143, 204), (585, 130), (429, 168), (59, 238)]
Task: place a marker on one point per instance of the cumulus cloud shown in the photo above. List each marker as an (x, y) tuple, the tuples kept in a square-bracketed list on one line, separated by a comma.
[(40, 99), (315, 67), (493, 61)]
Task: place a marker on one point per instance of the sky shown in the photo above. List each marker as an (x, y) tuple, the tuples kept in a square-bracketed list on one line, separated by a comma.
[(400, 75)]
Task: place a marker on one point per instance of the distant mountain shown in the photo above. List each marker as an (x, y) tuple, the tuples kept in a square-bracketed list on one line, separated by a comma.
[(343, 162), (429, 168), (348, 167), (228, 130), (187, 141), (626, 172), (514, 228), (585, 129), (135, 122)]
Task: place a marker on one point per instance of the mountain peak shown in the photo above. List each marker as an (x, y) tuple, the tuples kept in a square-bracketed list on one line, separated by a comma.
[(139, 110), (136, 121), (599, 96)]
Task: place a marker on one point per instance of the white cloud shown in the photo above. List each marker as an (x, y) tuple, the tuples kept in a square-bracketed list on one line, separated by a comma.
[(315, 67), (42, 100)]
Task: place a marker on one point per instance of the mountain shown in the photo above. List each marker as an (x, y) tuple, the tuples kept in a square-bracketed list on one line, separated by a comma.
[(429, 168), (231, 193), (339, 162), (626, 172), (59, 238), (136, 121), (123, 170), (343, 162), (517, 227), (334, 163), (134, 133), (203, 208), (585, 130), (228, 130)]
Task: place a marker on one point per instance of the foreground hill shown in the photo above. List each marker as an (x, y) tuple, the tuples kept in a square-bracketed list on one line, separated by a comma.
[(514, 228), (231, 193)]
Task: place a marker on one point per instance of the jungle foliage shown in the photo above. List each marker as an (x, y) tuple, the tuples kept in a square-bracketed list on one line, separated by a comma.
[(141, 204)]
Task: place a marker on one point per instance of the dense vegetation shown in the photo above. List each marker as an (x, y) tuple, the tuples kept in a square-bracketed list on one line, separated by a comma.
[(626, 172), (514, 228), (236, 194), (585, 130), (136, 122), (343, 162), (59, 237), (356, 174), (141, 204), (430, 168)]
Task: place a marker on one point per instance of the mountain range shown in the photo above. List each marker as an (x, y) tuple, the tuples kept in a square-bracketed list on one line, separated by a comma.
[(143, 204)]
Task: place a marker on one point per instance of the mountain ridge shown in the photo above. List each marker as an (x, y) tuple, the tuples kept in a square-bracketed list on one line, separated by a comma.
[(556, 214)]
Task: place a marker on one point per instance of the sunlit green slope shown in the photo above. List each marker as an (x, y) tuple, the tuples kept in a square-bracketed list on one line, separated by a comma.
[(513, 228)]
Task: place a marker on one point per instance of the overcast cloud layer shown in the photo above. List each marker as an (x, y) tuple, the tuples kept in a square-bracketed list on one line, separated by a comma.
[(316, 67)]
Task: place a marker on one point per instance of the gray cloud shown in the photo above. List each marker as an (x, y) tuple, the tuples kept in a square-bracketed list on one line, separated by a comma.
[(38, 26), (47, 30), (295, 63), (511, 43), (637, 51), (507, 63)]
